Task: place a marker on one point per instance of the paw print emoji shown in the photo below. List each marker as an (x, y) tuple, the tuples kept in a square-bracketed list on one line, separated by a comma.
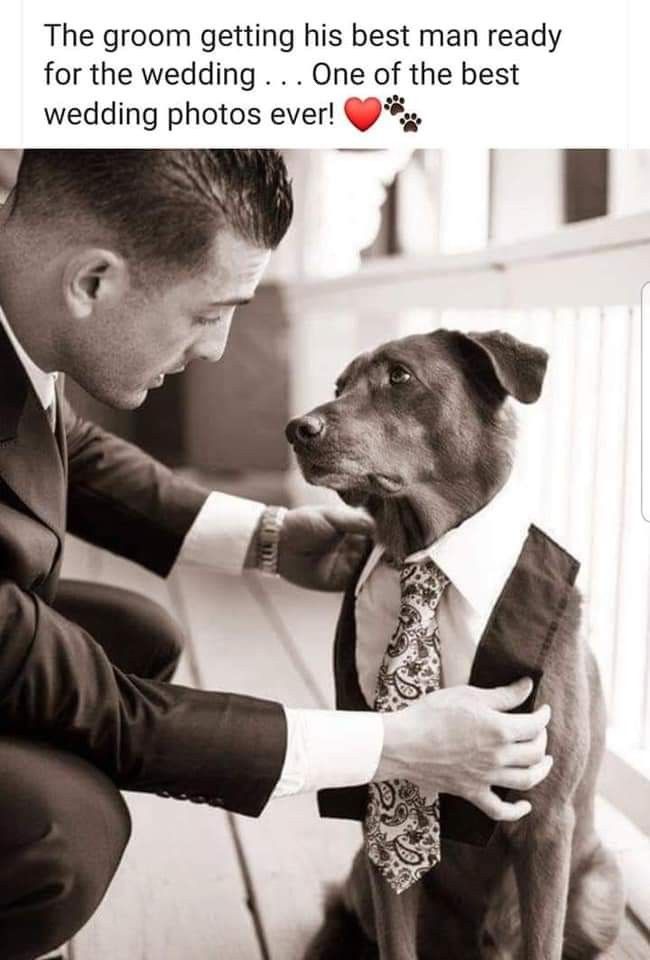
[(410, 122), (395, 105)]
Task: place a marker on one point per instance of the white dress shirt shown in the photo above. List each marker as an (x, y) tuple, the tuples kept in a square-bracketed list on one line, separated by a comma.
[(325, 748)]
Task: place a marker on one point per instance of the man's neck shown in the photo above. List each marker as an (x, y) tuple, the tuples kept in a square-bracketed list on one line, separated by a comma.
[(22, 300)]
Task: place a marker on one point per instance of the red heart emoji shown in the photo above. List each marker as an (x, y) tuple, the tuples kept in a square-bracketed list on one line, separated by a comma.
[(362, 113)]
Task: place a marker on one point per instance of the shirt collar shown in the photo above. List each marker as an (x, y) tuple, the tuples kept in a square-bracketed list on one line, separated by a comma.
[(479, 555), (44, 384)]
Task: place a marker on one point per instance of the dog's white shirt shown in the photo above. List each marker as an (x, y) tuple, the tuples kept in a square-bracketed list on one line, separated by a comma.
[(477, 557)]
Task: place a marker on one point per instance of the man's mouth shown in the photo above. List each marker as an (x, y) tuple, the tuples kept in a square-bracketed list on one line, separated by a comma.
[(160, 379)]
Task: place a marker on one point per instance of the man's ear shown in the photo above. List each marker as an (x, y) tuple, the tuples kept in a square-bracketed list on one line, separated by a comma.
[(92, 277), (515, 368)]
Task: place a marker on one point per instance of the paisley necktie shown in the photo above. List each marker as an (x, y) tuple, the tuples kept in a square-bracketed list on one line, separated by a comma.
[(402, 826)]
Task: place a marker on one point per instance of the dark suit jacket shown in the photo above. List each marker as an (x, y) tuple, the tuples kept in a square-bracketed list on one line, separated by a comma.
[(56, 684), (515, 643)]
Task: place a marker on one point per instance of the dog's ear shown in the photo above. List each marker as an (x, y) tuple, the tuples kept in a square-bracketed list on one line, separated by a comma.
[(515, 368)]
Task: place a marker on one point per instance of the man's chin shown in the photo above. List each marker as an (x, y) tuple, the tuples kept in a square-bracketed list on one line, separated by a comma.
[(126, 401), (134, 401), (120, 400)]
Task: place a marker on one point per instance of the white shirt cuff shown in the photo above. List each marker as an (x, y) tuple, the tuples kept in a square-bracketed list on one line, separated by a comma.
[(221, 533), (329, 748)]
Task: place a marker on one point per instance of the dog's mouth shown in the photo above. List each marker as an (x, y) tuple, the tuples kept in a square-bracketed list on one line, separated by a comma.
[(350, 479)]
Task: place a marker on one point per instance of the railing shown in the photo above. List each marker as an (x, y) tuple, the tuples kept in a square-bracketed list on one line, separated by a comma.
[(577, 294)]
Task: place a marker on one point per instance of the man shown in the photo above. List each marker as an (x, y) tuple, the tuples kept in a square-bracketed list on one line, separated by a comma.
[(117, 268)]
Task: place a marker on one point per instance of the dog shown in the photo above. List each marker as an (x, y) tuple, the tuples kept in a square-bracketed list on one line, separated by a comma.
[(421, 433)]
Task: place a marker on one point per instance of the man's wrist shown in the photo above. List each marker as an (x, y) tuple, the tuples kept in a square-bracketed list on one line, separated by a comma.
[(222, 534), (270, 529), (263, 549), (329, 749)]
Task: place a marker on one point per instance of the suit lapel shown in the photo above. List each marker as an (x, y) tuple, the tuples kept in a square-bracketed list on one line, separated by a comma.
[(30, 461)]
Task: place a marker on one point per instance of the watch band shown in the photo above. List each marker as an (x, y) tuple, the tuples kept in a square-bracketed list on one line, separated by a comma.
[(269, 539)]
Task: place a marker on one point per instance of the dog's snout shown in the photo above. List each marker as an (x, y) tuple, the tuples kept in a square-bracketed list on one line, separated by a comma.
[(306, 429)]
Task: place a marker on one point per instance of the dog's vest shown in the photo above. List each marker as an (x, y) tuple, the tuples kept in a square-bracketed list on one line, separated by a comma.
[(515, 642)]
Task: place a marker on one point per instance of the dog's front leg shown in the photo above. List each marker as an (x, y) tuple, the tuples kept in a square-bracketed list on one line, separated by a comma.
[(542, 862)]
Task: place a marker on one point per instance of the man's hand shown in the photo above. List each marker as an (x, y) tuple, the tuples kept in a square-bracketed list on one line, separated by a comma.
[(321, 547), (459, 740)]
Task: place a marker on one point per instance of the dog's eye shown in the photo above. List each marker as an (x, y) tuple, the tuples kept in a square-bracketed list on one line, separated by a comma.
[(398, 375)]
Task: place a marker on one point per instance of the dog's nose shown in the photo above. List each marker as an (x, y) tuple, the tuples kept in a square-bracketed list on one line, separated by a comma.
[(305, 429)]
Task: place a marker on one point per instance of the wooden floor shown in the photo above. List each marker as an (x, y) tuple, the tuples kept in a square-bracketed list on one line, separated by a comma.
[(201, 884)]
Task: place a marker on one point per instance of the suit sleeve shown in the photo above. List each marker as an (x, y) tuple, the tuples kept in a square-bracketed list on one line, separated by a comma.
[(122, 499), (56, 684)]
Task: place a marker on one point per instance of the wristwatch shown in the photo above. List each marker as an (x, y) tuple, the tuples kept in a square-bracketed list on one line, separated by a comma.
[(269, 539)]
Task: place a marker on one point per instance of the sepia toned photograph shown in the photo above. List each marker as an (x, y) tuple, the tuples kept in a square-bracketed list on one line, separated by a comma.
[(324, 579)]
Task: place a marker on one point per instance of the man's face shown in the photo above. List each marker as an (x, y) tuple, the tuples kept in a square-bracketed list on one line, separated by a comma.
[(136, 337)]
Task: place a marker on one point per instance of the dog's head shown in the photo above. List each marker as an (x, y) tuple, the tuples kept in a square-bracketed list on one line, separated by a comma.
[(419, 430)]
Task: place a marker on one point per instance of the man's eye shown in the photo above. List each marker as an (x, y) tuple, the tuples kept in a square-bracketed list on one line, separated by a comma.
[(399, 375)]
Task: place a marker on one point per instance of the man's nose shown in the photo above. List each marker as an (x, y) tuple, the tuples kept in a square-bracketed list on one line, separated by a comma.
[(306, 429), (212, 345)]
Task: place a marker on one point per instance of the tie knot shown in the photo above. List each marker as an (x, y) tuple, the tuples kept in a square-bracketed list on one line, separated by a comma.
[(424, 579)]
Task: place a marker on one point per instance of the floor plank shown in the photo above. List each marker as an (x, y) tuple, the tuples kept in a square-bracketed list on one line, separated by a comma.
[(305, 621), (291, 854), (179, 891)]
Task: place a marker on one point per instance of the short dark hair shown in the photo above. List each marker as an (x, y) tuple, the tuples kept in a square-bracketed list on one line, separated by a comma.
[(163, 206)]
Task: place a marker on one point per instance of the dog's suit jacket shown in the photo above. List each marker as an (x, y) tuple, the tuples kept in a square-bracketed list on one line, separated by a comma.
[(520, 632)]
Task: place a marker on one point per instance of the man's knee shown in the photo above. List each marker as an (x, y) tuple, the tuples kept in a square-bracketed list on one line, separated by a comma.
[(68, 886), (58, 862), (137, 634)]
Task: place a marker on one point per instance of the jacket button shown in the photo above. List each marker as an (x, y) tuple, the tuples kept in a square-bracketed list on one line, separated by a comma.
[(164, 793), (216, 802), (181, 796)]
